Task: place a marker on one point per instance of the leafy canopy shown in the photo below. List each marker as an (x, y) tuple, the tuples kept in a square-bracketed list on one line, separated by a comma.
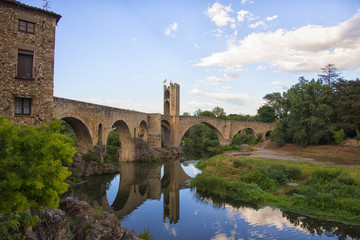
[(31, 165)]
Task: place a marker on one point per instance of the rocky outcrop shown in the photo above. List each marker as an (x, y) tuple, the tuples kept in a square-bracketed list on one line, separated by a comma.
[(86, 223), (143, 152), (85, 169)]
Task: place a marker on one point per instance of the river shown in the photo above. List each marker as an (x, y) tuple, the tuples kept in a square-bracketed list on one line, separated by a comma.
[(157, 197)]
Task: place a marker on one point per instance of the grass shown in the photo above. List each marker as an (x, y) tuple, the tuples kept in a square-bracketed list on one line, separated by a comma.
[(328, 192)]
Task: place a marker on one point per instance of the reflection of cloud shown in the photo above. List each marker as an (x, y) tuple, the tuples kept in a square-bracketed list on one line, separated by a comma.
[(266, 216), (222, 236)]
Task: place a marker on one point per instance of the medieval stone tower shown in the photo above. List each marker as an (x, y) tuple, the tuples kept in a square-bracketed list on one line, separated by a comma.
[(170, 122), (172, 100)]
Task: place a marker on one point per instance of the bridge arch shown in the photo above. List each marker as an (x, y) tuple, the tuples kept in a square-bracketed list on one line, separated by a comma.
[(214, 128), (143, 130), (126, 151), (166, 133), (82, 133)]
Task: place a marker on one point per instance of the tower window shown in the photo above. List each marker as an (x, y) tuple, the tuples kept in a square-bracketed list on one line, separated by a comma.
[(25, 64), (22, 106), (25, 26)]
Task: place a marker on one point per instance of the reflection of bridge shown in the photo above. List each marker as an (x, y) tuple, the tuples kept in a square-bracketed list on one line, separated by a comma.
[(92, 123), (139, 182)]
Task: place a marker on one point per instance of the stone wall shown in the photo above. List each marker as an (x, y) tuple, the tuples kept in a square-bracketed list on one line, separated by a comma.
[(38, 87)]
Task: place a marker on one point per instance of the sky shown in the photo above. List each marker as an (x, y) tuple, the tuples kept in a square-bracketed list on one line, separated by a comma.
[(221, 53)]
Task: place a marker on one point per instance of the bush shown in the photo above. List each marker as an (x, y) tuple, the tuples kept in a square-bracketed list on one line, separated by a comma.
[(278, 173), (31, 165), (237, 163), (91, 156), (339, 136), (243, 139), (294, 172), (350, 205), (323, 176)]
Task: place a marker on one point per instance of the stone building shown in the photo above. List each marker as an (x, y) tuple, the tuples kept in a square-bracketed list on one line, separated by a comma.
[(27, 44)]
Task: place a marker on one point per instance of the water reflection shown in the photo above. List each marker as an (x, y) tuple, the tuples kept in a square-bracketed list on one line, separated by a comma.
[(143, 194)]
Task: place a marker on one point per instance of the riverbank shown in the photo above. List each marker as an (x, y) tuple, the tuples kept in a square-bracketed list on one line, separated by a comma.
[(326, 192)]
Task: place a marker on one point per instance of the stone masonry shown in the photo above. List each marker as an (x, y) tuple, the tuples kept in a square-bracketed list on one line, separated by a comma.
[(39, 42)]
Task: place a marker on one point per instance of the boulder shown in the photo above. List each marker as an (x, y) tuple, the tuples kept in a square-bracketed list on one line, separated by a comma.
[(245, 148)]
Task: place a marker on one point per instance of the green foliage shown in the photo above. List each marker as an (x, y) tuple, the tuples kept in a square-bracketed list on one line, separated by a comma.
[(146, 235), (347, 105), (236, 190), (31, 165), (69, 132), (91, 156), (319, 191), (310, 118), (200, 141), (266, 113), (12, 224), (112, 148), (244, 139), (339, 136)]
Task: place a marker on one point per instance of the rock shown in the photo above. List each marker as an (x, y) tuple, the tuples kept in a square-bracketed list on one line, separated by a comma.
[(245, 148), (53, 225), (92, 168), (91, 224)]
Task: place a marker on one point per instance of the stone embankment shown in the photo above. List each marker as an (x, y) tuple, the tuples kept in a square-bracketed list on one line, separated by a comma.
[(78, 220)]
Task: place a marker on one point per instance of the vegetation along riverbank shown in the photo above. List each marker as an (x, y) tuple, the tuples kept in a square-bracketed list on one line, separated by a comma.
[(327, 192)]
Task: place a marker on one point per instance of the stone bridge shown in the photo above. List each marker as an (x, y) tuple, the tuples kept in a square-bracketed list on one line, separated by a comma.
[(92, 124)]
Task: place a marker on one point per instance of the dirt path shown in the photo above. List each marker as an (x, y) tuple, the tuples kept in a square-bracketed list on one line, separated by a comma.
[(263, 152)]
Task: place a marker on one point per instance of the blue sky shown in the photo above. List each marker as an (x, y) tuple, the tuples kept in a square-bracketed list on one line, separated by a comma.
[(222, 53)]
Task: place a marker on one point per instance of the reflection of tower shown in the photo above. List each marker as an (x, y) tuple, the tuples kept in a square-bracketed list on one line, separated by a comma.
[(171, 113), (170, 186)]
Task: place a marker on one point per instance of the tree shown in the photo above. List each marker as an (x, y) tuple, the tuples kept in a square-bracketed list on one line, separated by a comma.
[(219, 112), (186, 114), (205, 113), (31, 165), (347, 105), (277, 102), (310, 117), (266, 114), (329, 74)]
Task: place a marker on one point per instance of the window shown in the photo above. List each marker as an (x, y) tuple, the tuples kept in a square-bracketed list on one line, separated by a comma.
[(25, 64), (22, 106), (25, 26)]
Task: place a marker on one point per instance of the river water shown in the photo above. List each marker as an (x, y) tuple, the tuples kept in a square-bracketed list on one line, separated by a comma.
[(157, 197)]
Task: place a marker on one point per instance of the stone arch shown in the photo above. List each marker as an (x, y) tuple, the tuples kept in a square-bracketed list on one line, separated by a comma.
[(217, 132), (242, 131), (100, 133), (83, 136), (143, 130), (166, 133), (166, 107), (268, 134), (167, 94), (126, 151)]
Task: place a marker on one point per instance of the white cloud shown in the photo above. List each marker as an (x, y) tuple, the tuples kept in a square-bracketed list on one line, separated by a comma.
[(243, 14), (169, 31), (212, 80), (272, 18), (257, 24), (233, 98), (233, 26), (219, 14), (231, 76), (244, 1), (279, 85), (305, 49), (261, 67)]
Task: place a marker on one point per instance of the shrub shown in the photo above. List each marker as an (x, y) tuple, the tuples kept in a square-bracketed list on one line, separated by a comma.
[(245, 192), (243, 139), (323, 176), (91, 156), (31, 165), (294, 172), (278, 173), (339, 136), (350, 205), (237, 163)]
